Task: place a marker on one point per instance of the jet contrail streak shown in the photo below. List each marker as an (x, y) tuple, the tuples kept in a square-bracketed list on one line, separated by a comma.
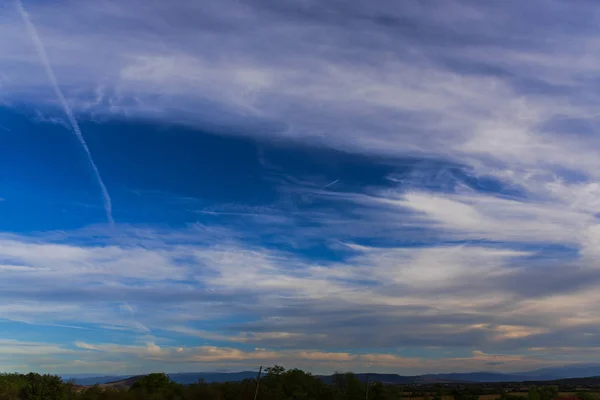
[(44, 59), (331, 184)]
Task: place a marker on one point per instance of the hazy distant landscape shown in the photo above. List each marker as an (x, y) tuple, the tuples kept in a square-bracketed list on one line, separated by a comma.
[(277, 383), (545, 374)]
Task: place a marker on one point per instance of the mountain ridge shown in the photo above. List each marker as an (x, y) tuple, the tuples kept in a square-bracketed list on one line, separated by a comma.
[(542, 374)]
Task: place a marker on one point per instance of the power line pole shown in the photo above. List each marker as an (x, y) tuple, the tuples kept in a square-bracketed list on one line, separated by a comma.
[(367, 391), (257, 382)]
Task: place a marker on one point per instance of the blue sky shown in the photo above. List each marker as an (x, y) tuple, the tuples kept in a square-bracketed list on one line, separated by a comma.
[(390, 186)]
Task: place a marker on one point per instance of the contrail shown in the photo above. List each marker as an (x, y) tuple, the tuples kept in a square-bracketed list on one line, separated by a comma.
[(44, 59), (331, 184)]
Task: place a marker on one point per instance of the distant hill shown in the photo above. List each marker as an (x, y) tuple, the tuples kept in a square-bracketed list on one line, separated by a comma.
[(545, 374), (219, 377), (565, 372), (469, 377), (478, 377), (383, 378), (122, 383), (182, 378), (91, 380), (590, 380)]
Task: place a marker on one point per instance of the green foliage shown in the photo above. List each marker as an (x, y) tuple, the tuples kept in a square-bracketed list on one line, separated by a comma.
[(464, 394), (292, 384), (11, 386), (43, 387), (542, 393), (153, 383), (348, 386), (276, 384)]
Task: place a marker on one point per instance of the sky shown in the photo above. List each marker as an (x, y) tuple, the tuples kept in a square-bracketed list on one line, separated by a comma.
[(215, 185)]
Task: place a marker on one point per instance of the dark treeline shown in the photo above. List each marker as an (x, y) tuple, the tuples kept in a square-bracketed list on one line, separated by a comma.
[(276, 384)]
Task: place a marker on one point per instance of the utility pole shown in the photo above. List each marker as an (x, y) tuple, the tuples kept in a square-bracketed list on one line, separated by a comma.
[(367, 390), (257, 383)]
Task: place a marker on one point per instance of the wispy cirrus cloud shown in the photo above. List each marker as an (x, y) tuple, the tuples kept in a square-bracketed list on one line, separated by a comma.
[(499, 104), (438, 90)]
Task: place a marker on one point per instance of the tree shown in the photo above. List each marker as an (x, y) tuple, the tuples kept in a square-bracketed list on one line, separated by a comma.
[(549, 393), (153, 383), (42, 387), (11, 386), (462, 394), (292, 384), (276, 370), (543, 393)]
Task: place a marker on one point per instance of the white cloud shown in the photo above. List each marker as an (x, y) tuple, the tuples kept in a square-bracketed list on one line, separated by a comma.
[(107, 357), (486, 216), (456, 296), (364, 96)]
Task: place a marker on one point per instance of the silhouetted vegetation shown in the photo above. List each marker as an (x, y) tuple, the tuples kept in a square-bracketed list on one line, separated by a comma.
[(276, 384)]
